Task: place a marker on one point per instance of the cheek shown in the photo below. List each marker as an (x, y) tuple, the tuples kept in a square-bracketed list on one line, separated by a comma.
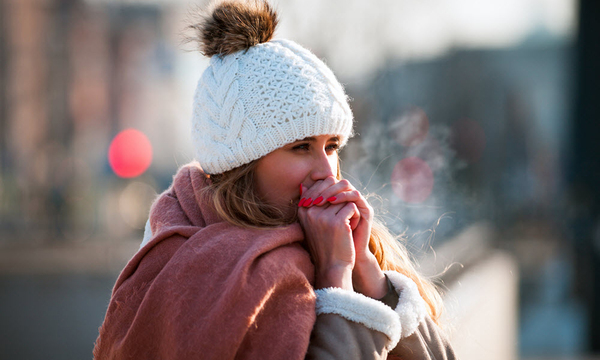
[(286, 181), (278, 181)]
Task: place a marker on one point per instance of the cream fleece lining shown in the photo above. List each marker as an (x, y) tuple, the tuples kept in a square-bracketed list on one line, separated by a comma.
[(411, 308), (375, 315)]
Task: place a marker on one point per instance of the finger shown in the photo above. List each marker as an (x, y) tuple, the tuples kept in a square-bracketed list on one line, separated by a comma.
[(330, 194), (314, 214), (350, 196), (355, 220), (326, 191), (303, 195), (310, 196), (349, 212), (356, 197), (315, 211)]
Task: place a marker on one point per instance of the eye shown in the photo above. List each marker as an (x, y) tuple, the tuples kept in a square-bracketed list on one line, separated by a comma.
[(332, 147), (302, 146)]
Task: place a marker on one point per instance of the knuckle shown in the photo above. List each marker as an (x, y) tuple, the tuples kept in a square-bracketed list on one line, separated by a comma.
[(345, 183)]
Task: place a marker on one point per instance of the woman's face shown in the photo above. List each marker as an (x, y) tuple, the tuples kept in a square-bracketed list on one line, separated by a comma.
[(278, 175)]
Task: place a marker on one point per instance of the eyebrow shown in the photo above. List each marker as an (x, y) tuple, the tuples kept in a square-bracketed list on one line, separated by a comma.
[(312, 138)]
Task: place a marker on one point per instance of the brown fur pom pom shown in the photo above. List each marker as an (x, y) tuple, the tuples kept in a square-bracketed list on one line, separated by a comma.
[(233, 25)]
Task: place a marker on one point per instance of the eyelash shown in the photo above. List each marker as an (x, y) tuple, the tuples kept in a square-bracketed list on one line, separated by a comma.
[(305, 146), (301, 147), (334, 147)]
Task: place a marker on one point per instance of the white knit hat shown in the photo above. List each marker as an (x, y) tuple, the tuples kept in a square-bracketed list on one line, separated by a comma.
[(255, 100)]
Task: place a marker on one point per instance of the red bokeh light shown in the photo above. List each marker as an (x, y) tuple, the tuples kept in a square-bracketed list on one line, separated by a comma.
[(130, 153), (412, 180)]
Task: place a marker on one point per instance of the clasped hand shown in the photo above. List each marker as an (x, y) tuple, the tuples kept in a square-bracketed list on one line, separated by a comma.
[(337, 222)]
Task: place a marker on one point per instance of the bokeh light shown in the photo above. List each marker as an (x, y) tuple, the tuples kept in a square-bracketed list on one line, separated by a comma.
[(130, 153), (411, 127), (412, 180), (468, 140)]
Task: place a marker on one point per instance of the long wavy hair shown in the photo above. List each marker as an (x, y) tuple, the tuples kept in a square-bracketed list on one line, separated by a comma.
[(235, 200)]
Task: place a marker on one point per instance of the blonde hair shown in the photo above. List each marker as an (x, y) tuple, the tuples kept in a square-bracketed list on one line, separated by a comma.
[(233, 196)]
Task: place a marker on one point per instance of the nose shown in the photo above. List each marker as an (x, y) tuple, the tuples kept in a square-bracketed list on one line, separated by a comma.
[(323, 166)]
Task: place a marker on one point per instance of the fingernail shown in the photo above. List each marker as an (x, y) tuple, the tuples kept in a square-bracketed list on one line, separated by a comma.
[(301, 202), (300, 189), (333, 198), (318, 200), (307, 203)]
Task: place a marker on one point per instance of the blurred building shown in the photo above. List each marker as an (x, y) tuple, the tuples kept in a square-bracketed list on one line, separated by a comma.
[(74, 75), (492, 127)]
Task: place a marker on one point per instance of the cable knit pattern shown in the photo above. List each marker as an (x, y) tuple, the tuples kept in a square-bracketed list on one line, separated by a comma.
[(411, 308), (252, 102)]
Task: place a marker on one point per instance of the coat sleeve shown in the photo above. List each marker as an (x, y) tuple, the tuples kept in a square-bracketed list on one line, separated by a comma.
[(351, 326), (334, 337), (421, 338), (428, 342)]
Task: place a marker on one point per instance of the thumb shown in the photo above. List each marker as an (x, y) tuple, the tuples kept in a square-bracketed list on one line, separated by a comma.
[(351, 214)]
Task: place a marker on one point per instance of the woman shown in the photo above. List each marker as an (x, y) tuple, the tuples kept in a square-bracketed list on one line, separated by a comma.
[(261, 250)]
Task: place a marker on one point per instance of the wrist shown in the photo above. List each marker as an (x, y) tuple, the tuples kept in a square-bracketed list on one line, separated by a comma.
[(369, 279), (339, 276)]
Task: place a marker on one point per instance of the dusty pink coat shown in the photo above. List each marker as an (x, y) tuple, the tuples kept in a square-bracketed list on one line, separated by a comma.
[(204, 289)]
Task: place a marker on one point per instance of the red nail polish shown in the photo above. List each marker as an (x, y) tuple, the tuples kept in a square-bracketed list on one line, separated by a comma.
[(307, 203), (333, 198), (300, 189), (318, 200), (301, 202)]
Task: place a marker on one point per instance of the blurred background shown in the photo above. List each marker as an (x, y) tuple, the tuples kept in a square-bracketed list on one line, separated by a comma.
[(477, 137)]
